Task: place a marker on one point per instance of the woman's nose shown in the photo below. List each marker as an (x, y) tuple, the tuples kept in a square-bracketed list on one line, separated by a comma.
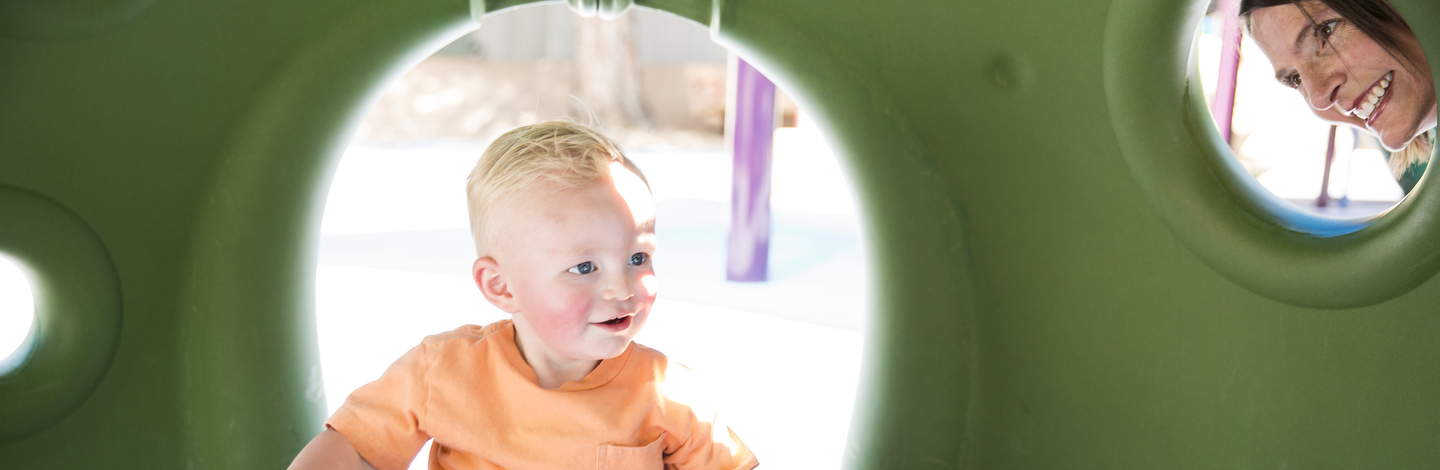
[(1322, 85)]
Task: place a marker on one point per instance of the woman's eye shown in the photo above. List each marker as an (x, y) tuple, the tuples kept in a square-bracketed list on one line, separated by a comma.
[(1292, 81), (1324, 30), (638, 259), (583, 268)]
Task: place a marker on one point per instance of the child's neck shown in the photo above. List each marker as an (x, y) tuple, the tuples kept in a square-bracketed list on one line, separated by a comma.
[(552, 371)]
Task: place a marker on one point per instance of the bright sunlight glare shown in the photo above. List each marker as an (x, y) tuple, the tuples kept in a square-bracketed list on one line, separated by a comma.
[(17, 307)]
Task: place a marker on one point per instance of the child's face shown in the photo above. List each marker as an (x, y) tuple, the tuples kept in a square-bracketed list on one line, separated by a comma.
[(578, 263)]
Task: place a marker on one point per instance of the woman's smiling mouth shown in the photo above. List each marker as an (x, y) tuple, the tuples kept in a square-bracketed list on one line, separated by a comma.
[(1367, 106)]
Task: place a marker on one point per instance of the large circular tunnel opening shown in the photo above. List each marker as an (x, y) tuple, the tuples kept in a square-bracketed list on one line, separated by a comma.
[(293, 136), (395, 249)]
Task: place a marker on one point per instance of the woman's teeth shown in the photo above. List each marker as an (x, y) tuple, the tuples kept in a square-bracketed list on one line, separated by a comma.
[(1376, 93)]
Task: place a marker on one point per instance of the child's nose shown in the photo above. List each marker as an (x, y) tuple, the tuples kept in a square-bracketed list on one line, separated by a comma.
[(618, 288)]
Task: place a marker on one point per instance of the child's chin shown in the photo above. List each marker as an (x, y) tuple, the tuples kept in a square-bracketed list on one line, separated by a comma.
[(613, 352)]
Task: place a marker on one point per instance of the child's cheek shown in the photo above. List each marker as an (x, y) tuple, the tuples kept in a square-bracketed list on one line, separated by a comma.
[(563, 315)]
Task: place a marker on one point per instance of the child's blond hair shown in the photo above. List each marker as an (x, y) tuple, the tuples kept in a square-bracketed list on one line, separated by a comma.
[(563, 152)]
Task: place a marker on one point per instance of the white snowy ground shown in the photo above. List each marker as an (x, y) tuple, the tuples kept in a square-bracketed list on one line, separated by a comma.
[(395, 257)]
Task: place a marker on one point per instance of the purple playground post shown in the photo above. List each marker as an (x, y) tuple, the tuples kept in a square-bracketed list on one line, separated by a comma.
[(751, 135), (1223, 108), (1324, 199)]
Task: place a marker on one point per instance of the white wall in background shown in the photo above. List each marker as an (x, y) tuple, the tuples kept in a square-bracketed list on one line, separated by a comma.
[(546, 31)]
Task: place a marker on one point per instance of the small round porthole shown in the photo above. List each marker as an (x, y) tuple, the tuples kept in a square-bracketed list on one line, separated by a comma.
[(17, 314), (1337, 125), (1216, 208), (59, 312)]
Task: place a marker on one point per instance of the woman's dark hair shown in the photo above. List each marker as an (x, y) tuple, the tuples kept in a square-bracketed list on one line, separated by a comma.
[(1375, 18)]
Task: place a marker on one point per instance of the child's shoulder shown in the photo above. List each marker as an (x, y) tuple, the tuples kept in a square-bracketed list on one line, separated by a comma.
[(663, 369), (648, 353), (468, 336), (677, 381), (650, 358)]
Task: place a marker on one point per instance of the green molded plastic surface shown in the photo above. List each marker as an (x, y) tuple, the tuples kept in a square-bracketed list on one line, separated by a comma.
[(65, 20), (1047, 295)]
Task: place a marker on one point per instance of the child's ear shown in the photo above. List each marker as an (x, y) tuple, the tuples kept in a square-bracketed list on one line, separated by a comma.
[(491, 282)]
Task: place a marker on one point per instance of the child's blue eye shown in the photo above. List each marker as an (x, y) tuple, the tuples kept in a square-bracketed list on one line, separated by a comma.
[(638, 259), (583, 268)]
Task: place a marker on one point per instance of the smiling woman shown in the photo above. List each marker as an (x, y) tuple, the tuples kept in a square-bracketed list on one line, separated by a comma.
[(1354, 62)]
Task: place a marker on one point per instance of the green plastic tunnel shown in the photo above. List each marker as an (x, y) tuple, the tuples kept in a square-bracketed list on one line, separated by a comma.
[(1069, 269)]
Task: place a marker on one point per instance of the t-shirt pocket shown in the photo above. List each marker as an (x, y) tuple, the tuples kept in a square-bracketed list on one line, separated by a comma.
[(649, 457)]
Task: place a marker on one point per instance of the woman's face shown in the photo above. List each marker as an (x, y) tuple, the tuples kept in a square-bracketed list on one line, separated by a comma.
[(1346, 76)]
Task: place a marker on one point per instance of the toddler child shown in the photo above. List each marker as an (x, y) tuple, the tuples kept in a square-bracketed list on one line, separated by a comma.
[(564, 226)]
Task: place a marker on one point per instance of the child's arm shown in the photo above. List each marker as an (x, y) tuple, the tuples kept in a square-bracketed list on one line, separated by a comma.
[(330, 451)]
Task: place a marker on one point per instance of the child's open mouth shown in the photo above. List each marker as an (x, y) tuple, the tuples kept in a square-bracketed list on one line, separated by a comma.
[(619, 323)]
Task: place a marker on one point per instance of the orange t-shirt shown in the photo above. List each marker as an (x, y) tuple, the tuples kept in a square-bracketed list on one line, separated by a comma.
[(470, 390)]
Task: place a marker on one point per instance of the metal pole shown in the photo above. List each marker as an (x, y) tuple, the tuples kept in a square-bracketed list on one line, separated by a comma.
[(751, 137), (1324, 199)]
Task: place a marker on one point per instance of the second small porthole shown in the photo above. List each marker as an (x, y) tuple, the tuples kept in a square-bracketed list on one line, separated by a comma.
[(1211, 203), (1330, 105), (60, 312)]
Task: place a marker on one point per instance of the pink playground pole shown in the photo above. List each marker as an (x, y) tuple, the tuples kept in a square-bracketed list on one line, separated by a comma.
[(1223, 108), (751, 139)]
